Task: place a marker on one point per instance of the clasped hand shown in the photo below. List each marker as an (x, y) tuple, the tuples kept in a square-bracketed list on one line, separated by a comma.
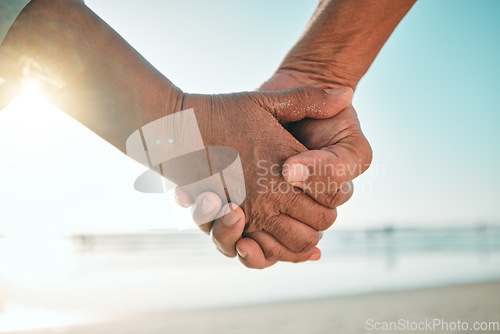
[(314, 135)]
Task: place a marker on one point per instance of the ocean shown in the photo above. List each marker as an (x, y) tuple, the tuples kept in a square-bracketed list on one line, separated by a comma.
[(87, 278)]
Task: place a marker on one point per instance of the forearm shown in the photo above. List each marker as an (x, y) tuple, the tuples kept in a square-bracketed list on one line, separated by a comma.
[(86, 69), (343, 38)]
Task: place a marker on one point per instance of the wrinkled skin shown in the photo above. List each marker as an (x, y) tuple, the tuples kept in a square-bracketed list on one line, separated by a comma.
[(289, 216), (336, 141)]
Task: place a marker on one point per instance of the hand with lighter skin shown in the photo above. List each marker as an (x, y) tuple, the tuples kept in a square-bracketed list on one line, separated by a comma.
[(92, 74), (336, 49)]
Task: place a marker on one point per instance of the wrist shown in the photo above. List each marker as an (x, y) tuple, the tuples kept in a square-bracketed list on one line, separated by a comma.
[(159, 99), (327, 74)]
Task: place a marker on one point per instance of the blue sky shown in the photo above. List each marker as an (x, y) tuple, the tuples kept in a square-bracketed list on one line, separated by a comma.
[(428, 105)]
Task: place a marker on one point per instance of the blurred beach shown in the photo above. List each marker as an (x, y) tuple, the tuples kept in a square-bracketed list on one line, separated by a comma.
[(101, 278), (432, 190), (474, 305)]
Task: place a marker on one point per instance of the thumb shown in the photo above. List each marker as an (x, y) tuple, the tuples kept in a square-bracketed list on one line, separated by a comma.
[(294, 104), (326, 174)]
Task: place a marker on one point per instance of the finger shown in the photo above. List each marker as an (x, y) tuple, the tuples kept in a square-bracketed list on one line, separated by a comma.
[(183, 198), (321, 173), (315, 215), (298, 103), (333, 164), (227, 230), (296, 236), (343, 194), (205, 209), (251, 255), (326, 174), (316, 255), (274, 250)]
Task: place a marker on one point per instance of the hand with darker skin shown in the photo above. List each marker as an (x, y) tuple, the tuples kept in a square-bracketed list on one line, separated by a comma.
[(339, 151), (333, 143), (228, 229), (284, 221), (336, 49)]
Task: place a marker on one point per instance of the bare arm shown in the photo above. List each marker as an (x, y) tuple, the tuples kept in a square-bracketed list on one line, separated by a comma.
[(86, 68), (341, 41)]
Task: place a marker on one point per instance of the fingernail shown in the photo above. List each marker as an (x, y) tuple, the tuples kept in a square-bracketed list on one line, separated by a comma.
[(241, 253), (298, 173), (320, 235), (185, 205), (338, 91), (230, 217), (207, 206)]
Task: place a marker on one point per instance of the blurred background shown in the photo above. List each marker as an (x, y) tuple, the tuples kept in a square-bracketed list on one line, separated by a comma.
[(79, 245)]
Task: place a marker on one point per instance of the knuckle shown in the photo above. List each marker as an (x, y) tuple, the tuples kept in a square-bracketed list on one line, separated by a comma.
[(274, 253), (306, 94), (276, 224), (259, 99), (342, 195), (294, 200), (326, 219), (331, 200), (303, 92), (334, 199), (308, 242)]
